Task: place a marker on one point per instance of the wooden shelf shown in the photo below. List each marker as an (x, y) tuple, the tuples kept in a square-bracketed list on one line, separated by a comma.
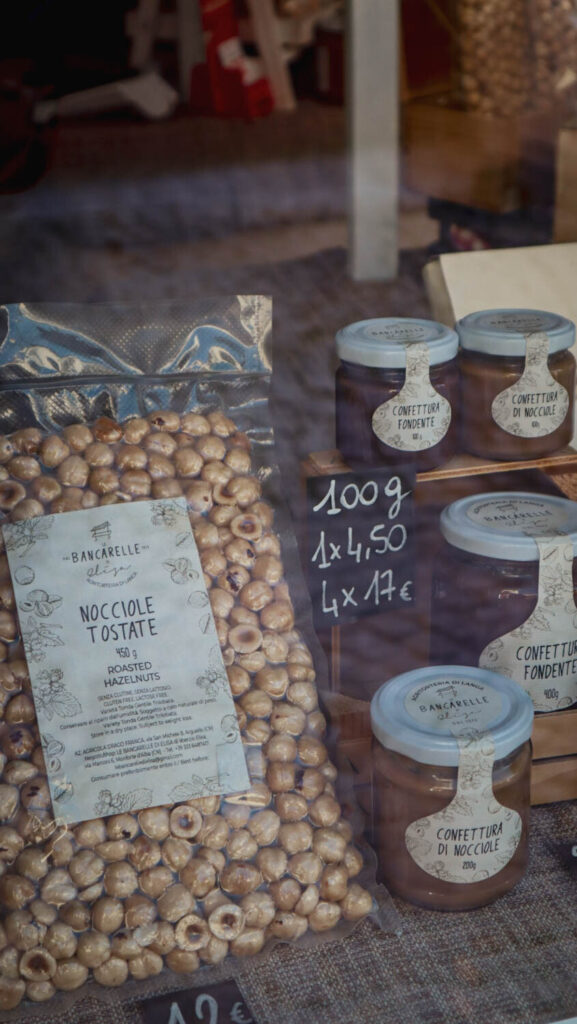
[(329, 461)]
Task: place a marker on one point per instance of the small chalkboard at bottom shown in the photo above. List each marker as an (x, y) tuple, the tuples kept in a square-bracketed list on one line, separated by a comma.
[(217, 1004)]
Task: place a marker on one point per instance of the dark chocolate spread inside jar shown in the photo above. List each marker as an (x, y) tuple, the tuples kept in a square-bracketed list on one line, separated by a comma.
[(452, 762), (517, 383), (396, 392), (504, 591)]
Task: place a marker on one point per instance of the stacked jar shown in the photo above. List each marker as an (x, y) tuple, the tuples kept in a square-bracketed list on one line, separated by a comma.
[(517, 383), (396, 392), (452, 759)]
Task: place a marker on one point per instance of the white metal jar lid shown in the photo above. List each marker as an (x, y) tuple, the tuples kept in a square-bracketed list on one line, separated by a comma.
[(504, 524), (383, 341), (502, 332), (421, 713)]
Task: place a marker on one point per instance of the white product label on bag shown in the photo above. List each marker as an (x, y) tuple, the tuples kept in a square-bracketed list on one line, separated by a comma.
[(536, 404), (418, 417), (475, 836), (131, 693), (541, 654)]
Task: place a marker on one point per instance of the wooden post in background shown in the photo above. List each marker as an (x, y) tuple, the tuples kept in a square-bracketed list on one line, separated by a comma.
[(373, 127)]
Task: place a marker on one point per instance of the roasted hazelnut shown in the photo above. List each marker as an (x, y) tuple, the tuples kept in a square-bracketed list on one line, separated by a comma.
[(329, 844), (153, 881), (241, 845), (214, 857), (11, 494), (60, 941), (356, 903), (264, 827), (353, 861), (40, 991), (85, 868), (290, 806), (285, 718), (236, 815), (287, 925), (58, 887), (324, 916), (215, 951), (159, 442), (176, 852), (113, 849), (278, 615), (11, 992), (164, 419), (155, 822), (112, 973), (303, 694), (199, 876), (22, 932), (120, 879), (9, 801), (144, 853), (248, 943), (211, 449), (227, 921), (286, 893), (295, 837), (280, 776), (272, 862), (194, 424), (175, 902), (182, 961), (333, 882), (308, 900), (108, 914), (146, 965), (93, 948), (214, 832), (240, 877), (164, 939), (75, 914), (192, 933), (185, 821), (69, 975)]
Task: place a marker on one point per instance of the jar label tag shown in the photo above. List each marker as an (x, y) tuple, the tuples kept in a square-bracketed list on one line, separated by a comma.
[(536, 404), (475, 836), (418, 417), (541, 653)]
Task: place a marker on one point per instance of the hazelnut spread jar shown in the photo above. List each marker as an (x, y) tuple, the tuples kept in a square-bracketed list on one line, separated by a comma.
[(504, 590), (517, 383), (396, 392), (452, 762)]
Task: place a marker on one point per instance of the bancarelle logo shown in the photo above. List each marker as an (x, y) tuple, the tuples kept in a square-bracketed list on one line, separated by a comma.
[(109, 564), (399, 333)]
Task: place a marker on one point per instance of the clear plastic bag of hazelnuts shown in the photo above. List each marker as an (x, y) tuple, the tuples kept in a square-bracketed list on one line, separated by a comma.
[(107, 406)]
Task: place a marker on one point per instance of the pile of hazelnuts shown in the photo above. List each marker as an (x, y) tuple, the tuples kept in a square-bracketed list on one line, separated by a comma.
[(126, 895), (519, 56)]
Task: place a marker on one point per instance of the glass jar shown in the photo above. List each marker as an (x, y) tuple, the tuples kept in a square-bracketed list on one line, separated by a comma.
[(504, 591), (396, 392), (451, 776), (517, 383)]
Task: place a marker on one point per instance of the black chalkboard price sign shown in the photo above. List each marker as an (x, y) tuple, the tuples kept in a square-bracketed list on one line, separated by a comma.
[(215, 1004), (360, 544)]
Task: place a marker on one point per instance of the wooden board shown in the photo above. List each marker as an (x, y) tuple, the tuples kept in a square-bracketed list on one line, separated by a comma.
[(555, 735), (554, 779), (565, 226), (462, 157)]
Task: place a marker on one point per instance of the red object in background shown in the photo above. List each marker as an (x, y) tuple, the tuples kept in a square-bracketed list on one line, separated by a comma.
[(229, 83), (330, 63)]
